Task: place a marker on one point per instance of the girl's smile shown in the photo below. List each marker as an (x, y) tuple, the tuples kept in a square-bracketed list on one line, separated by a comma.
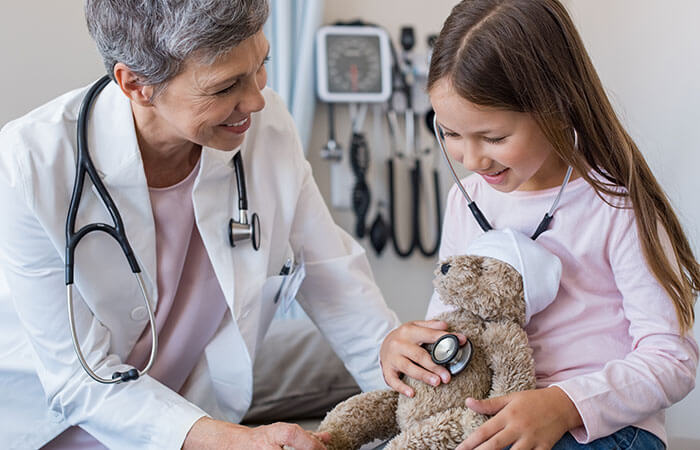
[(507, 148)]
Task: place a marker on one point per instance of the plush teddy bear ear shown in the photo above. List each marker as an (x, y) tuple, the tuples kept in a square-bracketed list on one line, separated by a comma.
[(540, 269)]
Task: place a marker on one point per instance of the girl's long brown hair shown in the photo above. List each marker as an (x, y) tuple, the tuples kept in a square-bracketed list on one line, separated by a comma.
[(526, 56)]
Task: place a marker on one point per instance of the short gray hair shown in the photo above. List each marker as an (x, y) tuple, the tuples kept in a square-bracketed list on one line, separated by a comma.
[(154, 37)]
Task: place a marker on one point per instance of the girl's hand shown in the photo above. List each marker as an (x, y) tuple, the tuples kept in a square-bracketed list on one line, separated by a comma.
[(528, 419), (401, 353), (208, 433)]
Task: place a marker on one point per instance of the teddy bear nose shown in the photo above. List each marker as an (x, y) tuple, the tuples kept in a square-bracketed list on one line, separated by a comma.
[(445, 268)]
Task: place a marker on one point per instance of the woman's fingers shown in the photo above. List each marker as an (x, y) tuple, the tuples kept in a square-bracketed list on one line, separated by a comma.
[(291, 435)]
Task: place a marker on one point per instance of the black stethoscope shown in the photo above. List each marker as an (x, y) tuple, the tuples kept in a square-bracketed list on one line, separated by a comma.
[(238, 231), (447, 352)]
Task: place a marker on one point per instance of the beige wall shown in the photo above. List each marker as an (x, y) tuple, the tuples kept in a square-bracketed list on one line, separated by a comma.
[(46, 50)]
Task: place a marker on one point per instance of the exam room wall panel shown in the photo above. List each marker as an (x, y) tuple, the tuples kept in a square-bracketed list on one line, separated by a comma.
[(647, 53)]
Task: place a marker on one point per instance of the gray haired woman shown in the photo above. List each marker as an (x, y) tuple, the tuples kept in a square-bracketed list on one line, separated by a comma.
[(186, 103)]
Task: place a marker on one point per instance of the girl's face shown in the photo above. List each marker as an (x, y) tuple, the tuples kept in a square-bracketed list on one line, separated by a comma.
[(507, 148)]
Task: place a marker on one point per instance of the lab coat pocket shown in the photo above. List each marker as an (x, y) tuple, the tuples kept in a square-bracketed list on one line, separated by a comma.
[(269, 302)]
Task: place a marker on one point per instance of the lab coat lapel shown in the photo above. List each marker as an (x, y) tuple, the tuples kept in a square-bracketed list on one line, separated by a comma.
[(115, 153), (213, 195), (214, 208)]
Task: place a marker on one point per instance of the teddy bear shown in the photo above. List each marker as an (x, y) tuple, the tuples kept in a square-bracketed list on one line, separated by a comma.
[(489, 293)]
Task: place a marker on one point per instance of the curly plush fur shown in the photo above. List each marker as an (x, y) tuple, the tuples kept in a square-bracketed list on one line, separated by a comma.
[(488, 294)]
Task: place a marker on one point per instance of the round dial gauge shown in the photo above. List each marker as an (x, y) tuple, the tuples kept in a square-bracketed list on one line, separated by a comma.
[(353, 64)]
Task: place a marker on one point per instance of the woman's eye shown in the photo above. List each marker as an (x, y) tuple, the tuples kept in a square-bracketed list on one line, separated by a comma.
[(450, 134), (228, 89), (264, 63)]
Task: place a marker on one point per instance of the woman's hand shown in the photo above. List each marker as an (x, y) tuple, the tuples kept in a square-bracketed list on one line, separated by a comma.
[(401, 353), (528, 419), (208, 433)]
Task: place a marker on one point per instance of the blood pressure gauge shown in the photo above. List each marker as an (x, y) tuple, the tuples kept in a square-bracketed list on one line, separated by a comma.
[(353, 64)]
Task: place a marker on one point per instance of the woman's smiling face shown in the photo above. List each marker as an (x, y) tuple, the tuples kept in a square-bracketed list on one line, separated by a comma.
[(507, 148), (211, 104)]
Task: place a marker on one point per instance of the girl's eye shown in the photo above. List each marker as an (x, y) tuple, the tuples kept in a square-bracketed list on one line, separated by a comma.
[(450, 134), (494, 140)]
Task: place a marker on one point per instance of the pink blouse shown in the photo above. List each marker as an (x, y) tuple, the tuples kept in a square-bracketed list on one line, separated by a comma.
[(610, 339)]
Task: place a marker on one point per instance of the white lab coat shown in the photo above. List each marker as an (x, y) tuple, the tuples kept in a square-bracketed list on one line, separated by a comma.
[(42, 386)]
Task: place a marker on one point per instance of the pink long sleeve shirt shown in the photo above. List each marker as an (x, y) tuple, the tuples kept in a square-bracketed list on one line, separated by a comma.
[(611, 338)]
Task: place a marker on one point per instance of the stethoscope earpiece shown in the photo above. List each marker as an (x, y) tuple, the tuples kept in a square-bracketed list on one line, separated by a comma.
[(447, 352)]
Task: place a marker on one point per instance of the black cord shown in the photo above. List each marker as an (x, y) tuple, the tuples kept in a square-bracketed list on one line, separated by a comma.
[(428, 253), (361, 197), (392, 217)]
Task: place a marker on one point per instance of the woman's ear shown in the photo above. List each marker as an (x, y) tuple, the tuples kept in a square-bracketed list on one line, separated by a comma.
[(131, 86)]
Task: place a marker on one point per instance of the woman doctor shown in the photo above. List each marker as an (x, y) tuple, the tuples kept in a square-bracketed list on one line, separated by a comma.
[(187, 96)]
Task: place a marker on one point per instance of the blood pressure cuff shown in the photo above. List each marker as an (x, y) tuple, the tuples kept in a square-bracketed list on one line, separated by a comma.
[(296, 374)]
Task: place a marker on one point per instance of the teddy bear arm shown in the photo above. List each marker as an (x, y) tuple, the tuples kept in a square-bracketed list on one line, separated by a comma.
[(361, 419), (441, 431), (510, 358)]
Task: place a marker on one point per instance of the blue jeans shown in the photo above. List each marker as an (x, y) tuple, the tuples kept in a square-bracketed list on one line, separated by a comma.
[(632, 438), (629, 438)]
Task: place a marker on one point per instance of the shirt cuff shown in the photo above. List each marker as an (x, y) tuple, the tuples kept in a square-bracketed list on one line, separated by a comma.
[(177, 422), (582, 434)]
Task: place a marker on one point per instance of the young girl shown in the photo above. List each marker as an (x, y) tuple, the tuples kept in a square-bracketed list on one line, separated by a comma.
[(518, 101)]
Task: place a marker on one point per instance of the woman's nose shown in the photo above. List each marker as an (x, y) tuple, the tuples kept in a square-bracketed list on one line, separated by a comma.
[(253, 100)]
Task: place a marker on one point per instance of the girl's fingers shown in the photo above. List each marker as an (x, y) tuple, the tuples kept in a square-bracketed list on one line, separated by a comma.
[(392, 379), (434, 324), (429, 331), (434, 372), (482, 434)]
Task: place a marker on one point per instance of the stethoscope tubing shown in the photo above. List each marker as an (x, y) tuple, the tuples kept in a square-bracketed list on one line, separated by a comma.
[(117, 376), (238, 231), (84, 165)]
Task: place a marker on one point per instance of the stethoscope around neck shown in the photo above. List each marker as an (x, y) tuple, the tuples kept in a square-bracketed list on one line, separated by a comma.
[(238, 231), (476, 212)]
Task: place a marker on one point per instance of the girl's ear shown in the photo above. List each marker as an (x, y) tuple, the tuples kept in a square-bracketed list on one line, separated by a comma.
[(131, 86)]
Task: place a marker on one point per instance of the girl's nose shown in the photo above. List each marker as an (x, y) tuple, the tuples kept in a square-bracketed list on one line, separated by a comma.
[(473, 159)]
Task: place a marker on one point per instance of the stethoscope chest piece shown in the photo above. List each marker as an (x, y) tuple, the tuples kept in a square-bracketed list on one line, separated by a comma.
[(242, 230), (447, 352)]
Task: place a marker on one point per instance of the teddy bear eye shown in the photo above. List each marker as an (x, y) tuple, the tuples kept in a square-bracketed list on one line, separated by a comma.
[(445, 268)]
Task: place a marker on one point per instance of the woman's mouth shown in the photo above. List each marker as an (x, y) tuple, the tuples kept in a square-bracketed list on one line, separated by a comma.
[(497, 177), (239, 127)]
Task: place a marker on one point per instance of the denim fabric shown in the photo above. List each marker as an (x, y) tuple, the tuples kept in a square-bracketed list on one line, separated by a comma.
[(631, 438)]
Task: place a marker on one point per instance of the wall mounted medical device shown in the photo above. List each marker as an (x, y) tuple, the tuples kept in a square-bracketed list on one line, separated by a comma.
[(353, 64)]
